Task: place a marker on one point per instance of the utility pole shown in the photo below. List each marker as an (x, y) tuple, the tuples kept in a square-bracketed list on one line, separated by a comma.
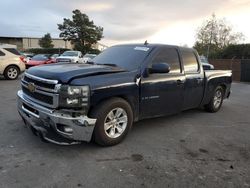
[(211, 36)]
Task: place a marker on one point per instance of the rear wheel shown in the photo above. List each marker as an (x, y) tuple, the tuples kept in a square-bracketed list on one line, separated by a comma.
[(11, 73), (215, 103), (114, 119)]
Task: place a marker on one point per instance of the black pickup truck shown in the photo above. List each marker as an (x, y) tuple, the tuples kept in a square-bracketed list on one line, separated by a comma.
[(100, 100)]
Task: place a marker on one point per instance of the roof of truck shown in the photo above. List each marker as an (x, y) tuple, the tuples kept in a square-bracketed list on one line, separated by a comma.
[(155, 45)]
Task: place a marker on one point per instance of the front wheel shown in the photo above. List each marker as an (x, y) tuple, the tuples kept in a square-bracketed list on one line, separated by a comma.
[(215, 103), (11, 73), (114, 119)]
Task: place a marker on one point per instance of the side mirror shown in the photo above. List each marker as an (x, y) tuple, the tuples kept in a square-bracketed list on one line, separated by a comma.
[(160, 68)]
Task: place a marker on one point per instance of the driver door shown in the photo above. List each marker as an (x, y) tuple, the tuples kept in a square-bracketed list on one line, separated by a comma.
[(162, 93)]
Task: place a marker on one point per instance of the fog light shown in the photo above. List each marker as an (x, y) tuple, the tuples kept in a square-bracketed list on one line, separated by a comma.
[(68, 130), (72, 101), (64, 128)]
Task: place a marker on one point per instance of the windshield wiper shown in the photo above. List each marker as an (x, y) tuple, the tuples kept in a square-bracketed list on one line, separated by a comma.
[(109, 64)]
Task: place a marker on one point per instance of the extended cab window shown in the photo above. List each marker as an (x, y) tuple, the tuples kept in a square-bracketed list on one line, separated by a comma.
[(170, 56), (1, 53), (190, 62)]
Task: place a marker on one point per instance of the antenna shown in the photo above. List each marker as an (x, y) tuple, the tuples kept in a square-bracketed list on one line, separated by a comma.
[(146, 42)]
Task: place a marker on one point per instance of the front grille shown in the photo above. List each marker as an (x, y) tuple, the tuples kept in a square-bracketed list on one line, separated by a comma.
[(38, 96), (42, 91), (64, 60), (38, 83)]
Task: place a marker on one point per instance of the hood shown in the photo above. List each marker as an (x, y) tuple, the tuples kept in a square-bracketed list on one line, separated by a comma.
[(64, 73), (34, 62), (66, 57)]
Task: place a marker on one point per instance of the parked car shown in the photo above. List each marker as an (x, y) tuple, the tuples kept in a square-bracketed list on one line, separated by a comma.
[(88, 57), (53, 57), (70, 103), (27, 56), (39, 59), (70, 56), (206, 65), (11, 63)]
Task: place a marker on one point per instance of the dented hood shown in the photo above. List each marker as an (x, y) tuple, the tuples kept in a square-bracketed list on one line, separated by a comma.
[(65, 73)]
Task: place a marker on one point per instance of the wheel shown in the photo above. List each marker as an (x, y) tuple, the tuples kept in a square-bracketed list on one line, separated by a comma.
[(114, 120), (11, 73), (215, 103)]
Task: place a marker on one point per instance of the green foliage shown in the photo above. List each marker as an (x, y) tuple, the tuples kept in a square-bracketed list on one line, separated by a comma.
[(46, 50), (240, 51), (214, 36), (94, 51), (46, 41), (81, 31)]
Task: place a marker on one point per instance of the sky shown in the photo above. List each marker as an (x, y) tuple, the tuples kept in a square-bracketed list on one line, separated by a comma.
[(125, 21)]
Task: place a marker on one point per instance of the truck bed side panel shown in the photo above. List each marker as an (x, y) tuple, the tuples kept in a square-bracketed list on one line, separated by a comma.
[(215, 78)]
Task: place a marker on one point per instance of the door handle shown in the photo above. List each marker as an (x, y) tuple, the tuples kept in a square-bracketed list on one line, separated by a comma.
[(180, 82)]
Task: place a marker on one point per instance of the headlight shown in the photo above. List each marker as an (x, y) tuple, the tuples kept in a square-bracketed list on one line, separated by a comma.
[(74, 96)]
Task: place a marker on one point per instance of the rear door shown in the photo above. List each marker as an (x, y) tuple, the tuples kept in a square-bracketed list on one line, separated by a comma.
[(2, 58), (194, 85), (162, 93)]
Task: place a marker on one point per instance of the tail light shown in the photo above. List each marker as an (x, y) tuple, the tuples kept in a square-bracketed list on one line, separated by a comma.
[(22, 59)]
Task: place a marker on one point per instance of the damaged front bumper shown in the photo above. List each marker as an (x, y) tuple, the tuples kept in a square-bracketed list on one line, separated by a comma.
[(55, 126)]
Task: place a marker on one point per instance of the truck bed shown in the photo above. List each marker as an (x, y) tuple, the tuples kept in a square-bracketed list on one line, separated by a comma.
[(217, 73)]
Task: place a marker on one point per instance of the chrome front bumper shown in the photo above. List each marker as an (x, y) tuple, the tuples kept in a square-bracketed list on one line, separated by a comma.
[(46, 122)]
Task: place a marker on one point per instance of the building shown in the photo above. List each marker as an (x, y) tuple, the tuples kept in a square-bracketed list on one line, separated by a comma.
[(99, 46), (24, 43), (3, 45)]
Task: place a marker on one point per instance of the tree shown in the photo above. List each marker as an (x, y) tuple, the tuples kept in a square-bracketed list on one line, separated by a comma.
[(238, 51), (215, 35), (46, 41), (81, 31)]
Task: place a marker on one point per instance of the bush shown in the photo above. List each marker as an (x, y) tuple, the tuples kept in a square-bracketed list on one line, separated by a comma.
[(94, 51), (46, 50), (241, 51), (56, 51), (237, 51)]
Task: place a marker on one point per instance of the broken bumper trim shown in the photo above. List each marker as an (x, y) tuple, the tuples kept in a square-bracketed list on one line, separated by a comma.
[(49, 123)]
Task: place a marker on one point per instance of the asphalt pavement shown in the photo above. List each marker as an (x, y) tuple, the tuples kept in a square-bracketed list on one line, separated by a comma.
[(191, 149)]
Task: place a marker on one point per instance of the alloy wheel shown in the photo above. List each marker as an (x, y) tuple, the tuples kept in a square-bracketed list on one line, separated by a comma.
[(115, 122), (12, 73)]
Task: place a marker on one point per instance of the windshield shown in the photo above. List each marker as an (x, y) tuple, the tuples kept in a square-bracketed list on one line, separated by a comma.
[(40, 57), (126, 57), (70, 53), (13, 51), (54, 56)]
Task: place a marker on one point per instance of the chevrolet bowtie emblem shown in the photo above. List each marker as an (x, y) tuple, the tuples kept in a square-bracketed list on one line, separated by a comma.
[(31, 87)]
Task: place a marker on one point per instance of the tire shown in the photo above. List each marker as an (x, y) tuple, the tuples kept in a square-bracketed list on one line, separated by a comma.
[(11, 72), (216, 101), (110, 132)]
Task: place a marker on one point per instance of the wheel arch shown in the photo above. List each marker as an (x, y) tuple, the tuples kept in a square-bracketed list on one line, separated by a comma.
[(210, 87), (129, 99), (12, 65)]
